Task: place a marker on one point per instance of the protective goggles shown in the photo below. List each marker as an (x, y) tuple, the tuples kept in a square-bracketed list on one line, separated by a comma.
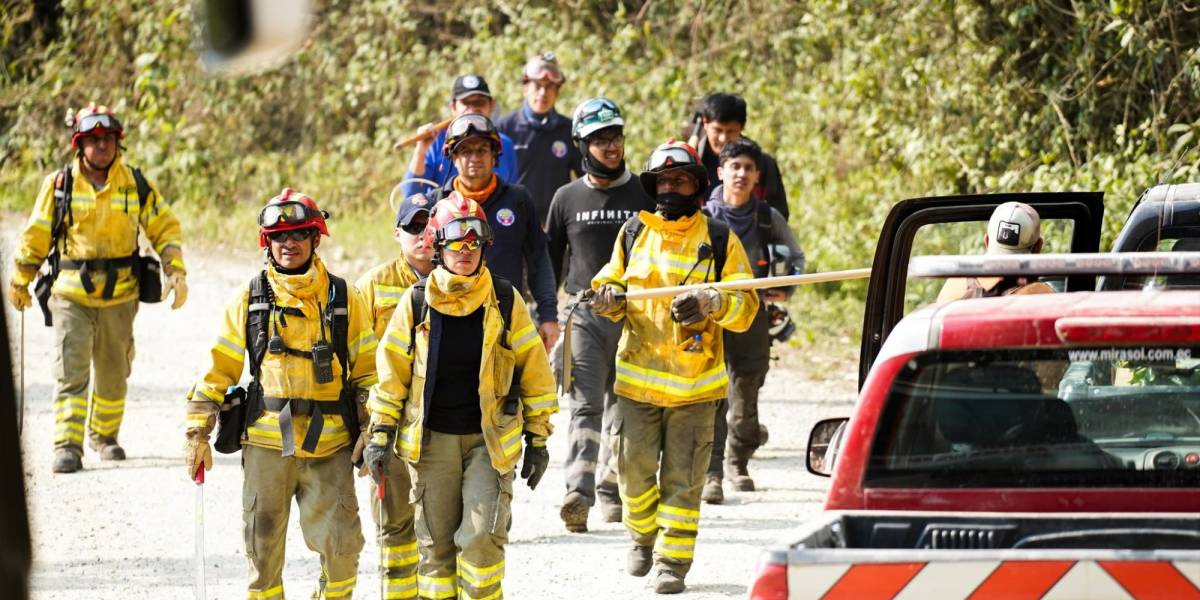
[(598, 112), (543, 67), (466, 228), (668, 158), (470, 245), (100, 121), (291, 213), (468, 124)]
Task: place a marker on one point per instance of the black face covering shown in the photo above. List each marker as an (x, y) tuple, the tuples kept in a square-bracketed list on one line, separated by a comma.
[(674, 206), (595, 168)]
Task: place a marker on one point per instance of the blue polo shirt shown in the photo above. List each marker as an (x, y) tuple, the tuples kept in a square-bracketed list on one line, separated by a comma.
[(439, 167)]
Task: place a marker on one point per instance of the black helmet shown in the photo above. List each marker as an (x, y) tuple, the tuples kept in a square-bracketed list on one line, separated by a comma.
[(673, 155), (467, 126)]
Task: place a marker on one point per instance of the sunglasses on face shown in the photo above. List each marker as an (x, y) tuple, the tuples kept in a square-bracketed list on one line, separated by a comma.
[(296, 235), (470, 245), (415, 227)]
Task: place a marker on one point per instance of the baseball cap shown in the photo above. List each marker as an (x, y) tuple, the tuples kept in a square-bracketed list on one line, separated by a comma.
[(469, 85), (410, 207), (1013, 229), (542, 66)]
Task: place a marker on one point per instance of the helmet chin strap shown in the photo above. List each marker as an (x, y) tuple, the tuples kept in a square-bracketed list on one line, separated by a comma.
[(93, 166)]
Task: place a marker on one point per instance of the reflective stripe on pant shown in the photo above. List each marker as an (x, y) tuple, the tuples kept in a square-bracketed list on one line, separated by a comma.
[(87, 337), (747, 358), (397, 543), (663, 496), (324, 491), (463, 513), (593, 356)]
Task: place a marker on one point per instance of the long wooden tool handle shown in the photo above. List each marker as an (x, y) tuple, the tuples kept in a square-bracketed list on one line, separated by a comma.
[(751, 284), (416, 137)]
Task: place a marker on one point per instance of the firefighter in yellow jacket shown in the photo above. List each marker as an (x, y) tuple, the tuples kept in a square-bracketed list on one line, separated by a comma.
[(381, 289), (303, 403), (86, 221), (461, 383), (670, 361)]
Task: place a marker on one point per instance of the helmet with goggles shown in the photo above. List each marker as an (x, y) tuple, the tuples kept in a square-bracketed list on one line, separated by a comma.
[(290, 210), (669, 156), (543, 67), (93, 119), (593, 115), (468, 126), (456, 220)]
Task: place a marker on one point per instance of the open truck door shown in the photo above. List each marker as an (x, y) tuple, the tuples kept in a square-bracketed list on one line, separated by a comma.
[(1073, 219)]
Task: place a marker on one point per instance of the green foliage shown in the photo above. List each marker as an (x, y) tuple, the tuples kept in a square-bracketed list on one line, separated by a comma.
[(862, 104)]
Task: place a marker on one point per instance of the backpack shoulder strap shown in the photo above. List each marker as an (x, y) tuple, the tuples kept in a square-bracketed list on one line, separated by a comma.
[(418, 313), (338, 316), (631, 229), (64, 184), (143, 188), (718, 233), (258, 318), (504, 296)]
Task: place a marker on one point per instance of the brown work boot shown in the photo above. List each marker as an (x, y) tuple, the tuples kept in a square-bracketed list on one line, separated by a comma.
[(668, 582), (610, 511), (739, 475), (640, 560), (712, 492), (107, 447), (574, 512), (68, 459)]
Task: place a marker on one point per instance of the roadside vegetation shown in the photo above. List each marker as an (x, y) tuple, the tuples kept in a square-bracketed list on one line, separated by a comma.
[(863, 104)]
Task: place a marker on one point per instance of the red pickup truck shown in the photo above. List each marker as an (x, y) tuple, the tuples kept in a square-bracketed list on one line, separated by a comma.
[(1011, 447)]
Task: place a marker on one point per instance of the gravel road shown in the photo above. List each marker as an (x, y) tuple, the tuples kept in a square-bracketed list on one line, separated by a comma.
[(125, 530)]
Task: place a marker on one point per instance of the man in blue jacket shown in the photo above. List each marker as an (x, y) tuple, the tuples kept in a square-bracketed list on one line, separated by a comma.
[(473, 144), (546, 156), (469, 95)]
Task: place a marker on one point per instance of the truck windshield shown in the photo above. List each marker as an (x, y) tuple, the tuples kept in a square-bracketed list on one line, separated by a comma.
[(1114, 416)]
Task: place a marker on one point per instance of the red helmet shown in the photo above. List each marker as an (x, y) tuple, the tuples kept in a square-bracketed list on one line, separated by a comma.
[(290, 210), (456, 218), (93, 119), (673, 155)]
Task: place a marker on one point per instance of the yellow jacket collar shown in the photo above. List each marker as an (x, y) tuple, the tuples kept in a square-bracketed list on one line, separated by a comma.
[(457, 295), (678, 227), (293, 290)]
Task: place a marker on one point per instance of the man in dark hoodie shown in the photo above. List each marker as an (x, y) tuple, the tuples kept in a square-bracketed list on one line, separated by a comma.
[(764, 234), (724, 120), (546, 156), (586, 216)]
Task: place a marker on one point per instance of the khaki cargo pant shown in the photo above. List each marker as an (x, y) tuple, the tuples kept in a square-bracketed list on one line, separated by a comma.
[(662, 455), (397, 541), (324, 490), (463, 509), (90, 337)]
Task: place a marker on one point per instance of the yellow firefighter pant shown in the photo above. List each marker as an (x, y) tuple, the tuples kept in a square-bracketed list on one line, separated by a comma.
[(90, 337), (662, 456), (463, 507), (397, 542), (324, 490)]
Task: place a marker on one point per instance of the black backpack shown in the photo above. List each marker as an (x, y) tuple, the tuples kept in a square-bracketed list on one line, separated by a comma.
[(64, 184), (245, 406), (718, 233)]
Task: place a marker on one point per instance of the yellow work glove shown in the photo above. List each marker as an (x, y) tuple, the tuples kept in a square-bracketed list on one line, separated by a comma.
[(19, 296), (177, 282), (196, 452)]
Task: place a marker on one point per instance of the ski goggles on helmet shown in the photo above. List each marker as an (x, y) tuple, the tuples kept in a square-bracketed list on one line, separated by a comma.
[(669, 158), (466, 228), (543, 67), (469, 124), (101, 122), (290, 213), (599, 111)]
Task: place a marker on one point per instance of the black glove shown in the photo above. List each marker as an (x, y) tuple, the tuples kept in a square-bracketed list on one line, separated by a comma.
[(375, 455), (537, 458)]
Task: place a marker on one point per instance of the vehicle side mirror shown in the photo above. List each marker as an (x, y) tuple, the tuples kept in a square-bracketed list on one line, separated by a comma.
[(823, 443), (241, 36)]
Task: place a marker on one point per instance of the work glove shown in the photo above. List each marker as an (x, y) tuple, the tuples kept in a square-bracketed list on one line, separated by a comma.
[(375, 453), (694, 306), (537, 458), (19, 296), (605, 300), (196, 452), (177, 282)]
